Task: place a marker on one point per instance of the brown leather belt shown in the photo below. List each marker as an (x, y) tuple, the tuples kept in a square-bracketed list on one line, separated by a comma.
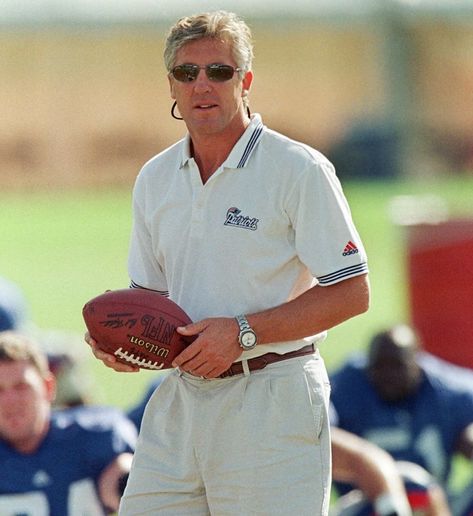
[(262, 361)]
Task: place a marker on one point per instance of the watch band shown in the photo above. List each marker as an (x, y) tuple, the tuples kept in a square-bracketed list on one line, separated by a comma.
[(247, 337), (243, 322)]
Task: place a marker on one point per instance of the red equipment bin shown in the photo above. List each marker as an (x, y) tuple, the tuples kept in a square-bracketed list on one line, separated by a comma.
[(440, 271)]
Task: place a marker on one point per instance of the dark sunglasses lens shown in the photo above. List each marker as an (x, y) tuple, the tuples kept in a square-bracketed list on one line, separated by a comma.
[(215, 72), (185, 73), (220, 73)]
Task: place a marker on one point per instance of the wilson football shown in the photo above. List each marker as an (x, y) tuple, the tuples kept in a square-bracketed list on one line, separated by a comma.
[(137, 326)]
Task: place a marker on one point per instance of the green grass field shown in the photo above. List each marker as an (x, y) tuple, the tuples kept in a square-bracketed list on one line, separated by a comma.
[(64, 247)]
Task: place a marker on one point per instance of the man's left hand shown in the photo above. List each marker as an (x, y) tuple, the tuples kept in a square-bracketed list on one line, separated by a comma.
[(214, 350)]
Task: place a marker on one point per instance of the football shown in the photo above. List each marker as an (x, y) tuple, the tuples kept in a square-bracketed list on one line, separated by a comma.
[(137, 326)]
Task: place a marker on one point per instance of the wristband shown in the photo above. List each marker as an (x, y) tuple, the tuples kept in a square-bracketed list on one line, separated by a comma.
[(386, 505)]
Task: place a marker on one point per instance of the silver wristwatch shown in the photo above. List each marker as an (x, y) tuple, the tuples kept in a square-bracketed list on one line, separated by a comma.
[(247, 337)]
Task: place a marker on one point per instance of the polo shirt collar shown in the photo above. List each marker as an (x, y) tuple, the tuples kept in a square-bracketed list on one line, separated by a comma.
[(241, 152), (185, 150)]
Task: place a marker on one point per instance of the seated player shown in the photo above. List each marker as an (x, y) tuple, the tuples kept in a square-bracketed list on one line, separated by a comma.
[(56, 463), (415, 406)]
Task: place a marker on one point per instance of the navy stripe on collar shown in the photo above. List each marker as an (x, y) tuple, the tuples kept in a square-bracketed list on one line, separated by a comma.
[(251, 145)]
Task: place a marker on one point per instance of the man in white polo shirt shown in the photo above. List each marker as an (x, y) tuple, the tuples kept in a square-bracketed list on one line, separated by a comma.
[(250, 233)]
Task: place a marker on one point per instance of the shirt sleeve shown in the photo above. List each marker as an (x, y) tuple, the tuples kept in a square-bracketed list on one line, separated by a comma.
[(143, 267), (327, 240)]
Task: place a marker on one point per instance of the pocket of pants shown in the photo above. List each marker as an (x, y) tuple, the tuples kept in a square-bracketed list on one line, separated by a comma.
[(298, 403), (318, 392)]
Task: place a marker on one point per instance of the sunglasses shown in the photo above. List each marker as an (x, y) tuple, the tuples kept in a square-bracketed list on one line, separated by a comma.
[(214, 72)]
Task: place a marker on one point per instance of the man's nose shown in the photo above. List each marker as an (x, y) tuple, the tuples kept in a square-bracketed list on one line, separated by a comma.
[(202, 82)]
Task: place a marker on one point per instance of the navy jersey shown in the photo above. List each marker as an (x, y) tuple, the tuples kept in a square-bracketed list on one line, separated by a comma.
[(423, 429), (59, 479)]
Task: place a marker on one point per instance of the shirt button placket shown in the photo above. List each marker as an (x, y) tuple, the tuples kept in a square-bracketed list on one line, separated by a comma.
[(198, 203)]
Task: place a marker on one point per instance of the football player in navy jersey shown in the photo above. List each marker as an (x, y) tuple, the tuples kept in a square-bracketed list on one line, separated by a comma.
[(413, 405), (55, 463)]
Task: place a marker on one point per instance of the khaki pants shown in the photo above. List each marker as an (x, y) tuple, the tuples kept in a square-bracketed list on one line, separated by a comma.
[(256, 444)]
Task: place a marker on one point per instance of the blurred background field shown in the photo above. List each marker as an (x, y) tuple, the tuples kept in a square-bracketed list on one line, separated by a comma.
[(383, 87)]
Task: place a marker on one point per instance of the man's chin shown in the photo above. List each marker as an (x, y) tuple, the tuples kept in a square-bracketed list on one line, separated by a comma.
[(206, 126)]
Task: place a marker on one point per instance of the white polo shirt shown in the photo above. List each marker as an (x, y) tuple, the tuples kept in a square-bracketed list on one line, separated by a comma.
[(269, 223)]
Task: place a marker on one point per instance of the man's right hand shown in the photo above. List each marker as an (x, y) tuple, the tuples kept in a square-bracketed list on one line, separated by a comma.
[(108, 359)]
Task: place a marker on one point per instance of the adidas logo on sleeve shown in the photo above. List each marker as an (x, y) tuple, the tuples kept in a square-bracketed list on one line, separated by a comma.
[(350, 248)]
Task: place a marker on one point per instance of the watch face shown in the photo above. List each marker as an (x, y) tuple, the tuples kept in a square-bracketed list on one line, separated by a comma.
[(248, 339)]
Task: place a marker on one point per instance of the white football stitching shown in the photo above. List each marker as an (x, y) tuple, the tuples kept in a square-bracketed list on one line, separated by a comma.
[(141, 362)]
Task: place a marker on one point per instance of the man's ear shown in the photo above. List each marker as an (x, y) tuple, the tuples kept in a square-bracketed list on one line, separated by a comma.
[(247, 80)]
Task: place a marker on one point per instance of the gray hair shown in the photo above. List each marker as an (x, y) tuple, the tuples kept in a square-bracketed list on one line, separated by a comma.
[(222, 25)]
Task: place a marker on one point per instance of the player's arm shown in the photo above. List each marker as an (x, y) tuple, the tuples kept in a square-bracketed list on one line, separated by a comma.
[(111, 481), (371, 469)]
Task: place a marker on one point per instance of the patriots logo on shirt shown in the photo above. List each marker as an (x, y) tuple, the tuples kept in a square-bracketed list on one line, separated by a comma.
[(234, 218)]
